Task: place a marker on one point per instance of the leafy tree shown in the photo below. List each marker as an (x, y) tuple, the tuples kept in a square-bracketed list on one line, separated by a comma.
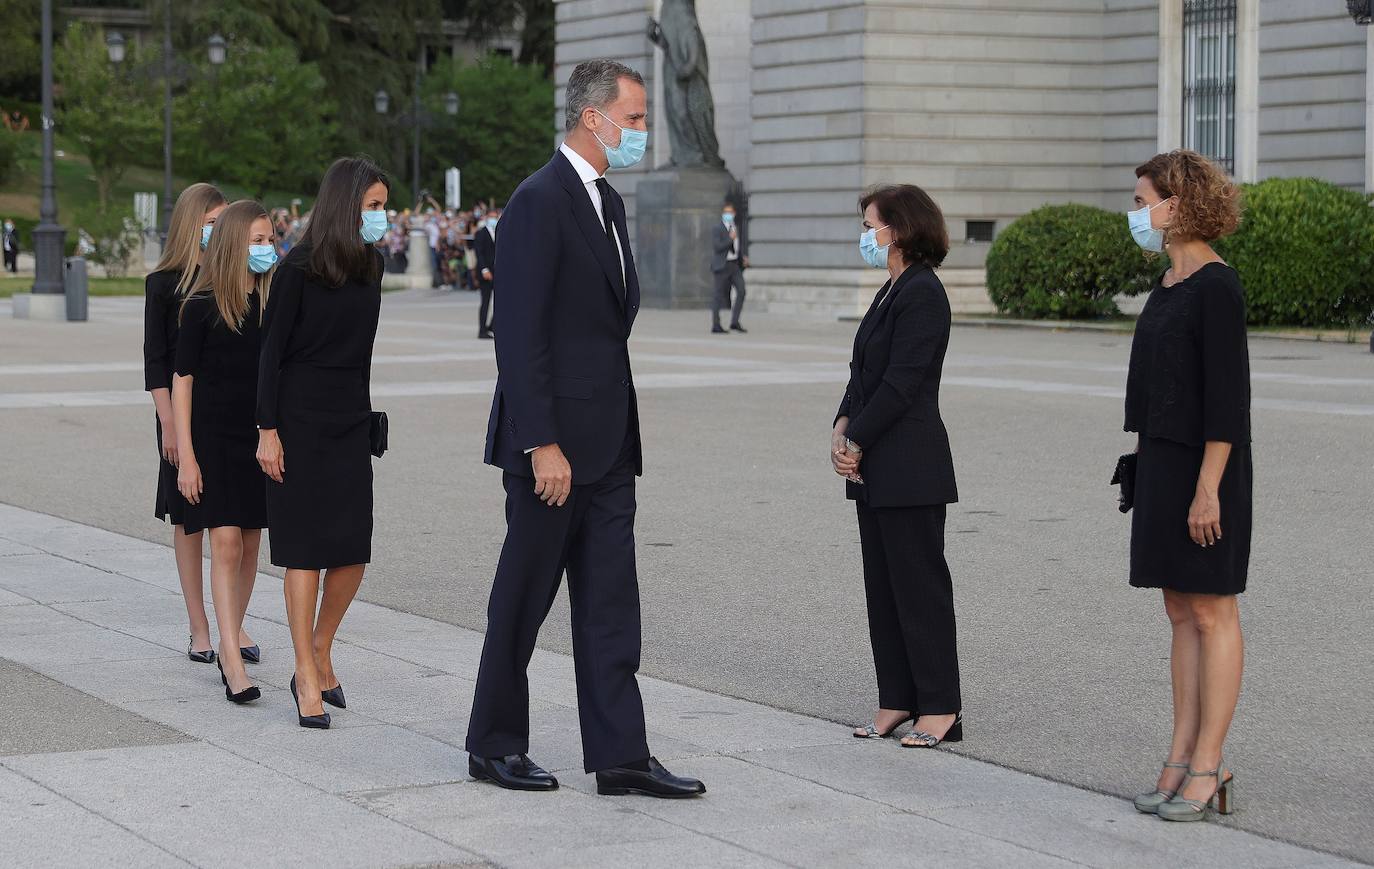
[(261, 120), (502, 132), (19, 50), (488, 18), (108, 110)]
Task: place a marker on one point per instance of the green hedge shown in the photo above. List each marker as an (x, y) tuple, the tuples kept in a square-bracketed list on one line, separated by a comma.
[(1305, 253), (1067, 261)]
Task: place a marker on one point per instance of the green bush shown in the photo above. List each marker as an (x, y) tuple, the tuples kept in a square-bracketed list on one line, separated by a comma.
[(1305, 253), (1066, 261), (9, 154)]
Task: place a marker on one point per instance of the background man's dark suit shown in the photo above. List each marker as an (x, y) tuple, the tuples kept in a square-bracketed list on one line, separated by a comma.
[(727, 273), (564, 378), (11, 246), (484, 245)]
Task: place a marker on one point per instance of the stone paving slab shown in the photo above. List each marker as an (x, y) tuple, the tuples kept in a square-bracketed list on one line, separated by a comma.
[(388, 786)]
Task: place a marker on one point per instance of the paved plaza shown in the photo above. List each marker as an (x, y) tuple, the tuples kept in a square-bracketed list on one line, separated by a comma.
[(114, 749)]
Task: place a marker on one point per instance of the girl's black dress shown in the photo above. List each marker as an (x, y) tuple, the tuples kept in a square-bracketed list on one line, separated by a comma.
[(224, 365), (161, 305), (313, 389), (1189, 383)]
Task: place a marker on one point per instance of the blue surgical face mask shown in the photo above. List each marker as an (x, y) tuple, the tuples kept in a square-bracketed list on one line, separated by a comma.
[(205, 235), (633, 144), (728, 217), (1142, 229), (491, 224), (374, 226), (261, 258), (868, 246)]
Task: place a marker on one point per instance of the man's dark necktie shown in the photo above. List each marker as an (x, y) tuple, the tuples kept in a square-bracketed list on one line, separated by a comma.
[(604, 188)]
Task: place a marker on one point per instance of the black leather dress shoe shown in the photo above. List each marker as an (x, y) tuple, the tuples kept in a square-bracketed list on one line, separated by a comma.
[(514, 771), (657, 782)]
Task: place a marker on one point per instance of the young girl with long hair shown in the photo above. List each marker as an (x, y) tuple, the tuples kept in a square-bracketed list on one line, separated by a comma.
[(213, 394), (314, 416), (193, 219)]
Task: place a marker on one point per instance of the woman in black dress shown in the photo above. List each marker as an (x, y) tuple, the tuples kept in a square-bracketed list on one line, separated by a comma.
[(197, 209), (213, 395), (1188, 399), (889, 442), (314, 415)]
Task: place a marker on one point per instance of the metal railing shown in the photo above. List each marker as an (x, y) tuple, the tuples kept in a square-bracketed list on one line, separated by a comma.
[(1209, 79)]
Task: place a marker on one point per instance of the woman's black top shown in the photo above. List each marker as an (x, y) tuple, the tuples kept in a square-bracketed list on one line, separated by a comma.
[(1189, 378), (161, 307), (893, 397)]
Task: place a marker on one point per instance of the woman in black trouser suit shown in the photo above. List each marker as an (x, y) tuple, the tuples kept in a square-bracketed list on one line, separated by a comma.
[(890, 444)]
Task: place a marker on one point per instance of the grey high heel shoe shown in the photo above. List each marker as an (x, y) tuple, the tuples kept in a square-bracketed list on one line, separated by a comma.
[(1224, 798), (871, 731), (1150, 803)]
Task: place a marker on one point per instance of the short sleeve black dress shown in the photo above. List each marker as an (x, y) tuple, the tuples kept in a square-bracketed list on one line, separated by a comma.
[(161, 305), (1189, 383), (313, 389), (224, 365)]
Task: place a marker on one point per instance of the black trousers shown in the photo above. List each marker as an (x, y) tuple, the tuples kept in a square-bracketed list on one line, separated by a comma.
[(910, 608), (731, 275), (12, 260), (592, 538), (483, 323)]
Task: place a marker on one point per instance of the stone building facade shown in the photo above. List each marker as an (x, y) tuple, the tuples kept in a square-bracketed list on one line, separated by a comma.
[(995, 107)]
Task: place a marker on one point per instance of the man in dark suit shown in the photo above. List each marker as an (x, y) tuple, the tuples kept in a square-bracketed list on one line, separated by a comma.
[(484, 244), (565, 429), (11, 245), (728, 263)]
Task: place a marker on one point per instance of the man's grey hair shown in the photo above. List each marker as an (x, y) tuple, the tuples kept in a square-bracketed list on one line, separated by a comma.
[(594, 84)]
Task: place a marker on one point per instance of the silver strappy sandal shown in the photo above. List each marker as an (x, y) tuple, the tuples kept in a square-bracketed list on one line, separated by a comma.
[(1223, 799), (1150, 803), (871, 731), (921, 739)]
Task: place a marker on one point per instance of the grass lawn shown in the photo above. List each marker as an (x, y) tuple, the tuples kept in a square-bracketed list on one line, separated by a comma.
[(98, 286)]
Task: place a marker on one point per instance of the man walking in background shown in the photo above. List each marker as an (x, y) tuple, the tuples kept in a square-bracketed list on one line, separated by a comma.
[(11, 245), (727, 265), (484, 243), (565, 429)]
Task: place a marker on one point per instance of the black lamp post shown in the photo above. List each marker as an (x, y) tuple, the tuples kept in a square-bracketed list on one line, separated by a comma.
[(115, 45), (48, 235), (417, 117)]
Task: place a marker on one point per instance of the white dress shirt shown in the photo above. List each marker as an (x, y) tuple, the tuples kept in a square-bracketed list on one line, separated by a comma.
[(589, 176)]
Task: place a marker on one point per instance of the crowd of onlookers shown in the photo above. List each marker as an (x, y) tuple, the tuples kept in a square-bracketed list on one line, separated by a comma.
[(450, 234)]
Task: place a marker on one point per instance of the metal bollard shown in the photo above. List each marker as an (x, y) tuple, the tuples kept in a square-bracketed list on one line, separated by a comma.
[(76, 284)]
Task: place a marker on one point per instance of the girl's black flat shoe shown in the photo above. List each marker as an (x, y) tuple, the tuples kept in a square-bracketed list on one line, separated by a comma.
[(251, 654), (334, 697), (318, 722)]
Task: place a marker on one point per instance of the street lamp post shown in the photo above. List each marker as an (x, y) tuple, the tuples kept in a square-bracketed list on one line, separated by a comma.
[(417, 117), (48, 235)]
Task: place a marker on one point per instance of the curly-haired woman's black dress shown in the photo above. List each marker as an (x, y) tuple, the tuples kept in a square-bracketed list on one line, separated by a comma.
[(161, 305), (224, 366), (1189, 383), (313, 389)]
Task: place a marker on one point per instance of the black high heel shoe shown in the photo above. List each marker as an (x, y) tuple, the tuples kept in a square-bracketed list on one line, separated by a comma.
[(334, 697), (247, 695), (318, 722), (205, 657), (252, 654)]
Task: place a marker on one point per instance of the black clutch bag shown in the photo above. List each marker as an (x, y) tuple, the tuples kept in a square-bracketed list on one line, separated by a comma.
[(377, 433), (1125, 478)]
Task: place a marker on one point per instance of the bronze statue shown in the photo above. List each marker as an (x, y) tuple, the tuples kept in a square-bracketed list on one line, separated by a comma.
[(688, 105)]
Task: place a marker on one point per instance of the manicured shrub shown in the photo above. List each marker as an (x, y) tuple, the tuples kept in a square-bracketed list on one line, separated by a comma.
[(1067, 261), (1305, 253)]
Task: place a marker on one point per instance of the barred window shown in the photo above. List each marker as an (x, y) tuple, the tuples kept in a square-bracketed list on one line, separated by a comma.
[(1209, 79)]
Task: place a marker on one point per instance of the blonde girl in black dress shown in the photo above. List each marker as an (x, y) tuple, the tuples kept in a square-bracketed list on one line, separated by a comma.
[(193, 218), (1188, 399), (314, 413), (213, 394)]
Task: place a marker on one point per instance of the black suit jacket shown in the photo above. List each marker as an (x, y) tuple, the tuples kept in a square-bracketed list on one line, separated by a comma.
[(893, 398), (485, 247), (562, 351), (720, 246)]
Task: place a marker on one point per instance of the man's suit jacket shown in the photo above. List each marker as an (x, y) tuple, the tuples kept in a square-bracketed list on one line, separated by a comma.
[(485, 248), (563, 347), (11, 242), (893, 398), (720, 247)]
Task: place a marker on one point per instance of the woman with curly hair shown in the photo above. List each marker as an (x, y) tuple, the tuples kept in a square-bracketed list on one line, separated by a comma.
[(1188, 399)]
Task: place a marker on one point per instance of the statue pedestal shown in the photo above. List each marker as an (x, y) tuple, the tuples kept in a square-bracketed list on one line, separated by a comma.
[(676, 210)]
